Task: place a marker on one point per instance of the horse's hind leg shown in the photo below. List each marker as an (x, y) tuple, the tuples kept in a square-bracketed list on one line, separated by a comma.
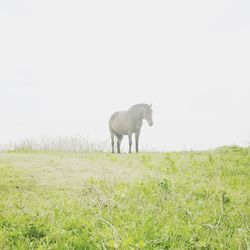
[(130, 141), (119, 140), (112, 140)]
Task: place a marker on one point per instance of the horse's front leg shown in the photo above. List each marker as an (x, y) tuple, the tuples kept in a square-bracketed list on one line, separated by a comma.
[(130, 141), (137, 134)]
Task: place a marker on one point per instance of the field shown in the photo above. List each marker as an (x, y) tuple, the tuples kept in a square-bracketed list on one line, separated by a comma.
[(80, 200)]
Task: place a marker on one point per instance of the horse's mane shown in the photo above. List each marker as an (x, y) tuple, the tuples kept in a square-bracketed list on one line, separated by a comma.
[(139, 105)]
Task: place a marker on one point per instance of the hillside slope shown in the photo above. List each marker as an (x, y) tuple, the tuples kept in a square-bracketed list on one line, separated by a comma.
[(179, 200)]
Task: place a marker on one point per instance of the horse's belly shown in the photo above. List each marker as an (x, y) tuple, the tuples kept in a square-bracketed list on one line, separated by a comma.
[(120, 131)]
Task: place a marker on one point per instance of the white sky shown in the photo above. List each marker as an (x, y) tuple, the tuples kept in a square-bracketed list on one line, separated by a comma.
[(65, 66)]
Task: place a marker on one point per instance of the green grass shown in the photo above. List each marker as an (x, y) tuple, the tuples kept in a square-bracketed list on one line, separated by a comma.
[(179, 200)]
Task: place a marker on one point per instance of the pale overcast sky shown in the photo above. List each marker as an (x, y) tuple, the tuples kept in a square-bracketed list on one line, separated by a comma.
[(65, 66)]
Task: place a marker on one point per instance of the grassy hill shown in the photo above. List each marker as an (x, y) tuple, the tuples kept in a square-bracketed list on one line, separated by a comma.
[(178, 200)]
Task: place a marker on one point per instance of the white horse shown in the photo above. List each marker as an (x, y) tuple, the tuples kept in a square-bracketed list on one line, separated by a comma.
[(128, 122)]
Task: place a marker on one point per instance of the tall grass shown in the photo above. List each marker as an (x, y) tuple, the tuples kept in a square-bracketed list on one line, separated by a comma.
[(77, 143)]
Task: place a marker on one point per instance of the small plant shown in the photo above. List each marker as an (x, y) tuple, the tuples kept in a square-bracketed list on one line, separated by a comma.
[(33, 233), (166, 185), (225, 198)]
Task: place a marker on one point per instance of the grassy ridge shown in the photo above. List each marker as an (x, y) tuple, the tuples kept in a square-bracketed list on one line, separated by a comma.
[(185, 200)]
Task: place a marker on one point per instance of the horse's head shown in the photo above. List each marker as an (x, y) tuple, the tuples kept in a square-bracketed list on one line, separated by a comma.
[(147, 115)]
